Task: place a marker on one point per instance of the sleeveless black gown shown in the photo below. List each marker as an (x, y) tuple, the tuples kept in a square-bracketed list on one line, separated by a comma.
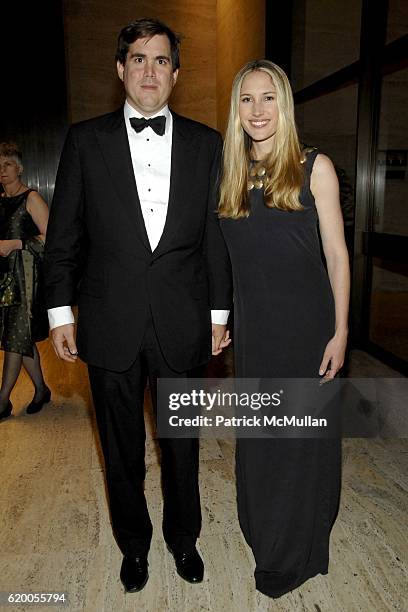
[(287, 489)]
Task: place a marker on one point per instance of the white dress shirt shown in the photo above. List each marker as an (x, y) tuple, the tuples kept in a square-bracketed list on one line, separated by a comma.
[(151, 160)]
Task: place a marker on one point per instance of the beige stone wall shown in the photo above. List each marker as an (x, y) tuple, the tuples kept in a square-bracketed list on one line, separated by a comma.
[(219, 36), (91, 29), (240, 38)]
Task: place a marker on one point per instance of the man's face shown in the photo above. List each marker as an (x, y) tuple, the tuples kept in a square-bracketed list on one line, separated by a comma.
[(148, 75)]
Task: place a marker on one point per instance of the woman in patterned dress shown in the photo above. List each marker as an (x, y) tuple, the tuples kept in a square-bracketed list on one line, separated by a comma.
[(23, 317)]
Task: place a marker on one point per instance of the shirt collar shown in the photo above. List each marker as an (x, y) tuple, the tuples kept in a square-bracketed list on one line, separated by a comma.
[(129, 112)]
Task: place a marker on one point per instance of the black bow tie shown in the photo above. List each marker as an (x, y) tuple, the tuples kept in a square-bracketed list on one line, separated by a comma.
[(158, 124)]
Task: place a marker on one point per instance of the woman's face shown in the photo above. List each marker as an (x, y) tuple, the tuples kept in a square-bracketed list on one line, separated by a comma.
[(9, 170), (258, 109)]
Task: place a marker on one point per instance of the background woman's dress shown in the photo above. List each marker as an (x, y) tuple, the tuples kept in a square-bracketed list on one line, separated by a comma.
[(287, 489), (25, 324)]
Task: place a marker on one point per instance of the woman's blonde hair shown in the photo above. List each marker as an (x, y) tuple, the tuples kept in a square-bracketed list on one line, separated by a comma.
[(284, 170)]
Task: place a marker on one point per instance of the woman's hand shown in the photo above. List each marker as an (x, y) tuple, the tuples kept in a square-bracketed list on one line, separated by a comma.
[(8, 246), (334, 354)]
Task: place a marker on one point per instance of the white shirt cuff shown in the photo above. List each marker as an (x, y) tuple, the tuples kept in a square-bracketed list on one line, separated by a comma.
[(220, 317), (61, 315)]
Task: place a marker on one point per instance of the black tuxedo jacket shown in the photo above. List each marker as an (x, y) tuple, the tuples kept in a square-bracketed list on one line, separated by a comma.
[(121, 281)]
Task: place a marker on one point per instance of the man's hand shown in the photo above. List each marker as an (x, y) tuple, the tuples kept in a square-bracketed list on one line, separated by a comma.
[(220, 338), (64, 342)]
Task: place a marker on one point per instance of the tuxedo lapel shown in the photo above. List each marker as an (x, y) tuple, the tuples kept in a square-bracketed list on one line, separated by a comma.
[(183, 167), (113, 141)]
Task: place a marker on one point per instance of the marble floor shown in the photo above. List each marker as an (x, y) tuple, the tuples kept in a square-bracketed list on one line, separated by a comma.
[(55, 534)]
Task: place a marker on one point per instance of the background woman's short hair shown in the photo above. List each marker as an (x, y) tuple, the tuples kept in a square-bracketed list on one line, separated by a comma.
[(10, 149)]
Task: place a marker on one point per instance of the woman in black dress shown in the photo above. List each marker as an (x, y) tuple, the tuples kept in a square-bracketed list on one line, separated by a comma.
[(23, 317), (290, 318)]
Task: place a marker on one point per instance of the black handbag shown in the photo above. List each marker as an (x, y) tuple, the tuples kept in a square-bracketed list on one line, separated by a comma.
[(10, 294)]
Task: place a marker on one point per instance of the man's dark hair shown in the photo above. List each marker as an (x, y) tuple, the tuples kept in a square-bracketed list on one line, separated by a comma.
[(147, 28)]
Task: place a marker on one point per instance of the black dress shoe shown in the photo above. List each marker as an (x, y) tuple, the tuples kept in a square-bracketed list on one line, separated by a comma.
[(189, 565), (133, 573), (34, 407), (7, 411)]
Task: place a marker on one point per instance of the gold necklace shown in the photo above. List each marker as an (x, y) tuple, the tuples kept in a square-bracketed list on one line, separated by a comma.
[(12, 195), (257, 176)]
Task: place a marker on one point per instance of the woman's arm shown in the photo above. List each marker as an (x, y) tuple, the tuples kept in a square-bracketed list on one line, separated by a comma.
[(325, 189), (38, 210)]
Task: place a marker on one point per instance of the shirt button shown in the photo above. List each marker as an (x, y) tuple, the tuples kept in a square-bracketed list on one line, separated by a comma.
[(148, 165), (149, 189), (147, 139)]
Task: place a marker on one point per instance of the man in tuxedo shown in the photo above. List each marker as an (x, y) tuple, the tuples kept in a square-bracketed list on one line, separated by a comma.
[(136, 192)]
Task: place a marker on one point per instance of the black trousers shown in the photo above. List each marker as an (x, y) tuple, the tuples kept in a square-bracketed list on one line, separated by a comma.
[(118, 399)]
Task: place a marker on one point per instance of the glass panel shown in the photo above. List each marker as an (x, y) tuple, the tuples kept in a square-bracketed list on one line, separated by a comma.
[(397, 23), (391, 193), (326, 38), (389, 294), (389, 307), (334, 133)]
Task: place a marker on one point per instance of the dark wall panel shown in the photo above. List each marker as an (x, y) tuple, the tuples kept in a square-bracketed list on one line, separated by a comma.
[(34, 88)]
